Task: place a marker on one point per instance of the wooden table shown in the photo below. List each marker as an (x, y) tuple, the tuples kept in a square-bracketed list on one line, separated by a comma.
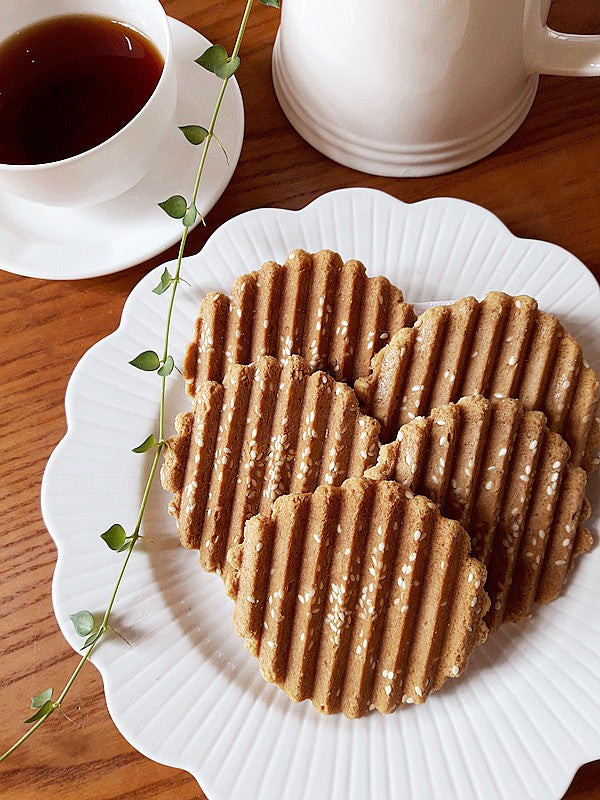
[(544, 183)]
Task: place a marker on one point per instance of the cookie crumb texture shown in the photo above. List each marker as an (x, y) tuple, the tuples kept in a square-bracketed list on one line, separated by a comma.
[(506, 478), (500, 347), (314, 305), (358, 597), (266, 430)]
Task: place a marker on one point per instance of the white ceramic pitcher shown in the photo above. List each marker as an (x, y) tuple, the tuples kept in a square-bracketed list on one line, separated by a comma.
[(417, 87)]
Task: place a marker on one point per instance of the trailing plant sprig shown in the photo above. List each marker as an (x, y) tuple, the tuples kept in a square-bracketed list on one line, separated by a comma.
[(216, 60)]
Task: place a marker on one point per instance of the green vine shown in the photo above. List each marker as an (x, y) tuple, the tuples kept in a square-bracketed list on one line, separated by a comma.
[(216, 60)]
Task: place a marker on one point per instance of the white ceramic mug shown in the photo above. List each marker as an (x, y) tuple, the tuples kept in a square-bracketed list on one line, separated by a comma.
[(417, 87), (112, 167)]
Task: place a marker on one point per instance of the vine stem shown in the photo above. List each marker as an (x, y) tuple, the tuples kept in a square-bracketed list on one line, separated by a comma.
[(161, 423)]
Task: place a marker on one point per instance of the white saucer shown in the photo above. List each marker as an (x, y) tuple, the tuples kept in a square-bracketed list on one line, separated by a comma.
[(67, 243)]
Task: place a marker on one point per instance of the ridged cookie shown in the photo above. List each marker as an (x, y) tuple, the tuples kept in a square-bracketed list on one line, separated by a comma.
[(314, 305), (499, 347), (266, 430), (358, 597), (505, 477)]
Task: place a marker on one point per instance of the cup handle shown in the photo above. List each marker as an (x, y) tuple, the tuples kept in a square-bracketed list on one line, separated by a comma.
[(549, 52)]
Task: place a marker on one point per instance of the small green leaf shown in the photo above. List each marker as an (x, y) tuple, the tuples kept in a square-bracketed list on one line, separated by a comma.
[(216, 60), (167, 368), (174, 206), (190, 216), (91, 639), (228, 69), (271, 3), (125, 545), (83, 622), (41, 712), (166, 279), (215, 56), (148, 361), (149, 442), (39, 700), (195, 134), (114, 538)]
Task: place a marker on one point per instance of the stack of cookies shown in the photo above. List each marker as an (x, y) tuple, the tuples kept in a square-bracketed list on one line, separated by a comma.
[(376, 490)]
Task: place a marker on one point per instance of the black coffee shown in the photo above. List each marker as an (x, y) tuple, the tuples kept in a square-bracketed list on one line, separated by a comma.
[(69, 83)]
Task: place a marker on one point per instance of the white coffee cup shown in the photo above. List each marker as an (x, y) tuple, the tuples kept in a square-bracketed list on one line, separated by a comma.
[(112, 167), (417, 87)]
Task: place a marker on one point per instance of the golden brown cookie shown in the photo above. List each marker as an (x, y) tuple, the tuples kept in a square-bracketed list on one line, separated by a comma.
[(266, 430), (499, 347), (358, 597), (505, 477), (314, 305)]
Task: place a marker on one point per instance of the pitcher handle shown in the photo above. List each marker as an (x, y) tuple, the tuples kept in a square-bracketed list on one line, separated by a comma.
[(549, 52)]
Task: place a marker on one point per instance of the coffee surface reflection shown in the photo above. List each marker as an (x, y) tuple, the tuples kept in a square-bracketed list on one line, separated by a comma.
[(69, 83)]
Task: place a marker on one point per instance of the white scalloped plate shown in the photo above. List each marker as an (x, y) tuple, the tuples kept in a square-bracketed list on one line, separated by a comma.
[(519, 722)]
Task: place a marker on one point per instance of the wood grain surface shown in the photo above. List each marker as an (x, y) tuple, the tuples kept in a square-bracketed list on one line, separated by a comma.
[(543, 183)]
